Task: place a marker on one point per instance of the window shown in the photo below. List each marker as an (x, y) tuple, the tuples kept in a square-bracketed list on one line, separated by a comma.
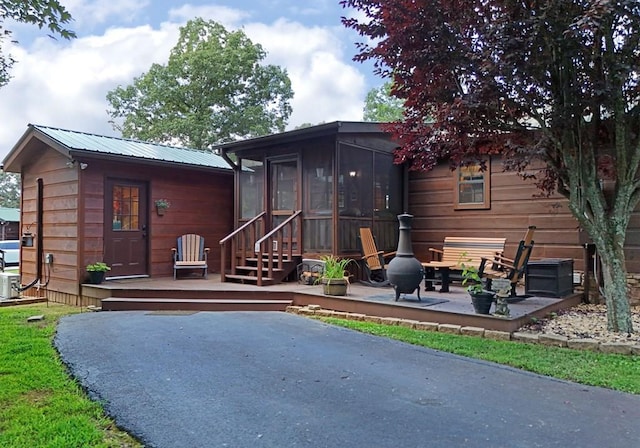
[(126, 201), (251, 185), (472, 187)]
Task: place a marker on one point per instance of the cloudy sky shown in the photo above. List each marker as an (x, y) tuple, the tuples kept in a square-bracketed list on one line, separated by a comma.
[(64, 83)]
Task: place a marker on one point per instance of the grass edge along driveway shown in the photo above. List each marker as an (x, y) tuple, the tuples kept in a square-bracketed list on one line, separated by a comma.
[(40, 404)]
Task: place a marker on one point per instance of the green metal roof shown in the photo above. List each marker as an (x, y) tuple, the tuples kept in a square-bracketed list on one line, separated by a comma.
[(10, 214), (100, 144)]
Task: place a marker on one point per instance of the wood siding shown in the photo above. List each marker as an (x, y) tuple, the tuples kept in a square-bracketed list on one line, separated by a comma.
[(514, 207), (73, 214), (201, 203), (60, 216)]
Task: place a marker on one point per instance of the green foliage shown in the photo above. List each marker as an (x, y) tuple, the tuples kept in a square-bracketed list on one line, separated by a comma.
[(162, 203), (9, 190), (619, 372), (40, 406), (212, 90), (49, 14), (334, 267), (470, 275), (98, 266), (381, 106), (551, 87)]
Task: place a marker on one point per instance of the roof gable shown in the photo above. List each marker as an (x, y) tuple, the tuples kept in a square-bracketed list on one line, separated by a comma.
[(96, 145)]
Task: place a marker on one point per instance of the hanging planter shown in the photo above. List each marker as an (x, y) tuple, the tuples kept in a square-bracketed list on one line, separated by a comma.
[(161, 206)]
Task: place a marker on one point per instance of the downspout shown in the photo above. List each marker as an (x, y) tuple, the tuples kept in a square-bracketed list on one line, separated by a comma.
[(39, 240)]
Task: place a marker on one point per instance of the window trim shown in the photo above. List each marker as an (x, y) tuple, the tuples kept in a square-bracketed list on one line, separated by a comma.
[(486, 203)]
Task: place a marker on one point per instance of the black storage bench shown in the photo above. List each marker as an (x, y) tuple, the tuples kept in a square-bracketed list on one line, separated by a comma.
[(550, 277)]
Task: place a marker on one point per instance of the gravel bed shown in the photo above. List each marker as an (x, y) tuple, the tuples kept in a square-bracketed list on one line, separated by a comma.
[(584, 321)]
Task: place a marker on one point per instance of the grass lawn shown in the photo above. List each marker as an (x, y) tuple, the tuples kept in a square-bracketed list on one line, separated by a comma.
[(40, 405), (619, 372)]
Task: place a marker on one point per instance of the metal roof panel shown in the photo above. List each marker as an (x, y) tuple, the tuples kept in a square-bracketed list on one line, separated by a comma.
[(132, 148)]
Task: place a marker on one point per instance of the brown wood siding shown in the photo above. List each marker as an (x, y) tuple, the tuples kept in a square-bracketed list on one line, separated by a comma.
[(59, 227), (514, 206), (201, 202)]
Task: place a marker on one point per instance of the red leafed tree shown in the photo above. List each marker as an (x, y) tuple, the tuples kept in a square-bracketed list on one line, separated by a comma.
[(551, 81)]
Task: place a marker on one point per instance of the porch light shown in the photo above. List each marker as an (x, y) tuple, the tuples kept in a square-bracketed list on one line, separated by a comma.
[(352, 173)]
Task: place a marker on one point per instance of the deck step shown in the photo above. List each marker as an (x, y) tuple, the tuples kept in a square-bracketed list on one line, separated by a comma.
[(251, 279), (153, 304)]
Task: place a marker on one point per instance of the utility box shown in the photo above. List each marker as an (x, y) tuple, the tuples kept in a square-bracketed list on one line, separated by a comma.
[(550, 277), (9, 282)]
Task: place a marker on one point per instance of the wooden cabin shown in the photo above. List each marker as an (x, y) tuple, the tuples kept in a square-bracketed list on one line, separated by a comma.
[(88, 198), (306, 193), (9, 223)]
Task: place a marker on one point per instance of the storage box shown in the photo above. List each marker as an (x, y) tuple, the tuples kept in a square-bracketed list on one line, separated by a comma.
[(550, 277)]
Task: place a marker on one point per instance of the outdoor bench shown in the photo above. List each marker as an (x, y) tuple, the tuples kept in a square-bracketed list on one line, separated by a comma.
[(457, 251)]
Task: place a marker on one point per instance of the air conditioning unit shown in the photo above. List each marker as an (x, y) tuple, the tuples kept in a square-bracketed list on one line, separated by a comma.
[(9, 283)]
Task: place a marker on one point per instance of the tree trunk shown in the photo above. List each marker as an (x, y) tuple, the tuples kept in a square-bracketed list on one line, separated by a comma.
[(614, 274)]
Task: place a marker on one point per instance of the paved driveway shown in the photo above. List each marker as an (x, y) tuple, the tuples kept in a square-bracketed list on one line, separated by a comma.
[(281, 380)]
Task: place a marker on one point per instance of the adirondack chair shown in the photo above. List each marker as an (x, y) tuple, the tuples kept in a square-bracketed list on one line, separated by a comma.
[(511, 269), (374, 259), (190, 253)]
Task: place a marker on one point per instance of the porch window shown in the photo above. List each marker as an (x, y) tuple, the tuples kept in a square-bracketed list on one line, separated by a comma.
[(126, 202), (318, 200), (251, 188), (473, 187)]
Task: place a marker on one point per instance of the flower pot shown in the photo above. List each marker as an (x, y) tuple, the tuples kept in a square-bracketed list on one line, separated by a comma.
[(96, 277), (482, 302), (160, 211), (334, 286)]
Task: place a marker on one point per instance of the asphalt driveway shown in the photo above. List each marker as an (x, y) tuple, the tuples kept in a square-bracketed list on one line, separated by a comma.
[(281, 380)]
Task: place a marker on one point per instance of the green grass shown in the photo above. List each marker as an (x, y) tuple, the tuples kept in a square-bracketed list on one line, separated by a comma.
[(619, 372), (40, 405)]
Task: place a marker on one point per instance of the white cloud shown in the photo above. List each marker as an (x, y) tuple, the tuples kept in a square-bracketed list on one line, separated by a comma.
[(64, 84)]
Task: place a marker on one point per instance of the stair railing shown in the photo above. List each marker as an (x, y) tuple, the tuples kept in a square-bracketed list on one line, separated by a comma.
[(264, 247), (242, 241)]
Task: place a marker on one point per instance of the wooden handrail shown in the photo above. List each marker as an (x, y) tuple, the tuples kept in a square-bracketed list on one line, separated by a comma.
[(238, 239), (242, 227), (277, 235)]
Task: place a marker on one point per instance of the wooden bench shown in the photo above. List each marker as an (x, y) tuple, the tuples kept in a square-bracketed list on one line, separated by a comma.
[(468, 250)]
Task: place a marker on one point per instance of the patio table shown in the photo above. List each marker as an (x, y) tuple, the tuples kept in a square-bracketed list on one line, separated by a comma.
[(430, 274)]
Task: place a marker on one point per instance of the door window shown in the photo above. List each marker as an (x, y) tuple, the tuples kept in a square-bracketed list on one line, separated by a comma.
[(126, 205)]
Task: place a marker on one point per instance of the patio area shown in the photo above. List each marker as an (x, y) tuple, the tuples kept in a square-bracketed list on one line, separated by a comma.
[(453, 307)]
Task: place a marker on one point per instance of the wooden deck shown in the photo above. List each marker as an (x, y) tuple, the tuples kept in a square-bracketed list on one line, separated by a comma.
[(210, 294)]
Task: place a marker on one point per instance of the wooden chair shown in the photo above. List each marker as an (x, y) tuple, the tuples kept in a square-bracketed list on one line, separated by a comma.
[(190, 253), (374, 259), (507, 268)]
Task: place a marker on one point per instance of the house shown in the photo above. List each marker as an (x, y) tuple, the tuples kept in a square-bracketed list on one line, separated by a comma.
[(9, 223), (88, 198), (288, 196)]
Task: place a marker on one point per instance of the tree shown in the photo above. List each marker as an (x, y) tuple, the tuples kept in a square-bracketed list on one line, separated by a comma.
[(50, 14), (9, 190), (212, 90), (381, 106), (555, 82)]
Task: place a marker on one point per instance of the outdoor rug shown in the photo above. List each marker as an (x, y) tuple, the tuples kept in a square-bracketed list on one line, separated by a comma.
[(406, 299)]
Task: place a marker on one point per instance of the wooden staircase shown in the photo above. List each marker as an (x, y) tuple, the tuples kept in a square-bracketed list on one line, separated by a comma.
[(262, 260), (248, 273)]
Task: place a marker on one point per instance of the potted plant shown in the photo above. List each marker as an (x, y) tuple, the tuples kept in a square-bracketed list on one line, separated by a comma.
[(334, 281), (162, 205), (480, 298), (97, 272)]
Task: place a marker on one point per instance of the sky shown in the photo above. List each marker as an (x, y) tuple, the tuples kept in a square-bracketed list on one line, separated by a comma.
[(64, 84)]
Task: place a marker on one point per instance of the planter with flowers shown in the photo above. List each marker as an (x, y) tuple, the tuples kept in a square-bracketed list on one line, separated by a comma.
[(97, 271), (161, 206), (334, 277), (480, 297)]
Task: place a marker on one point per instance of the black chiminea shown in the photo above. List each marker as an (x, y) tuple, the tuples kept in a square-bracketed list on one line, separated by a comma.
[(405, 272)]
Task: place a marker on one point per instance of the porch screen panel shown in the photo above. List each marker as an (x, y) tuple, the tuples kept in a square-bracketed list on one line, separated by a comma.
[(387, 201), (251, 188), (317, 200), (355, 195)]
